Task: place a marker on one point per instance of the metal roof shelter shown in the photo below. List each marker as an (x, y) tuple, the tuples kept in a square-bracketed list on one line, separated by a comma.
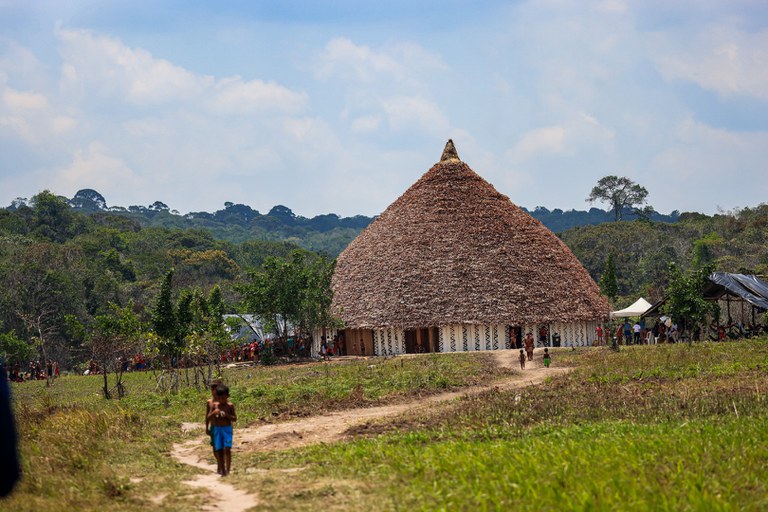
[(726, 286)]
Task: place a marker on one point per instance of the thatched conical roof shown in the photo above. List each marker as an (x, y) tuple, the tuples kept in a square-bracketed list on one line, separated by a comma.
[(453, 250)]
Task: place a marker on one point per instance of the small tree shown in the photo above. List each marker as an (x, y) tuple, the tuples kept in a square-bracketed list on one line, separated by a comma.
[(115, 338), (169, 343), (608, 283), (165, 322), (686, 304), (620, 193)]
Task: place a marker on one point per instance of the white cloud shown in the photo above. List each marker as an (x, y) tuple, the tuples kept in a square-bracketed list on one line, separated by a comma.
[(104, 65), (366, 124), (550, 139), (234, 95), (342, 58), (719, 58), (412, 112), (700, 158), (16, 100), (98, 169)]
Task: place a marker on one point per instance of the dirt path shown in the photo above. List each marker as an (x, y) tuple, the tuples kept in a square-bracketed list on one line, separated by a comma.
[(332, 427), (223, 497)]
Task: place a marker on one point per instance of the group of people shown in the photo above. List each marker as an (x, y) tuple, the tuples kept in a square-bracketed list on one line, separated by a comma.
[(527, 352), (36, 370), (627, 333), (252, 351), (337, 346)]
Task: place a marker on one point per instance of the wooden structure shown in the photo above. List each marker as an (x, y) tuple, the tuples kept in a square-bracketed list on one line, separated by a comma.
[(453, 265)]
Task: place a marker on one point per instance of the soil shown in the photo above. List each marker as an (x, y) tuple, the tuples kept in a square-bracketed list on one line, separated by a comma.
[(330, 427)]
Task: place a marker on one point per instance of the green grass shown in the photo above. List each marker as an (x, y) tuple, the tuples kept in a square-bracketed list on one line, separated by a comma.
[(82, 452), (702, 465), (669, 427), (633, 430)]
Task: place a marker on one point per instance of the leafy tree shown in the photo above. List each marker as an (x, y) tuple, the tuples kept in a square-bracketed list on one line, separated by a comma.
[(13, 349), (620, 193), (686, 304), (608, 283), (114, 339), (54, 219), (39, 285), (206, 336), (317, 295), (292, 292)]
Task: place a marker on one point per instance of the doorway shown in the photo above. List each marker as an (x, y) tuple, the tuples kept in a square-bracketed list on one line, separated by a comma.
[(410, 341)]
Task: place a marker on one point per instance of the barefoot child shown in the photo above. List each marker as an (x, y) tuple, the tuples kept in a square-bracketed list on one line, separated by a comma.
[(222, 416), (522, 359), (208, 408), (547, 359)]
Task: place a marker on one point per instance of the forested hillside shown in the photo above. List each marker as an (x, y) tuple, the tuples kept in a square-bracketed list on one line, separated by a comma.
[(58, 265), (328, 234), (733, 242)]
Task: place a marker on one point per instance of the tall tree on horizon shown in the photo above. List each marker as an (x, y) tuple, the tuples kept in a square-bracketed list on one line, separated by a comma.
[(619, 192)]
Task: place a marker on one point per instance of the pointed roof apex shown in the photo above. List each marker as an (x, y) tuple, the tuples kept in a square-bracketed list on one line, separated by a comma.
[(449, 153)]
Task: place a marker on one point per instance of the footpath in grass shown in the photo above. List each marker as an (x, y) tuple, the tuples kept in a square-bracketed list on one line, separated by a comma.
[(82, 452), (670, 427)]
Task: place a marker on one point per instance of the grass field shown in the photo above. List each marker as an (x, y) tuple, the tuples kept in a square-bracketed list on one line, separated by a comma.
[(79, 450), (669, 427)]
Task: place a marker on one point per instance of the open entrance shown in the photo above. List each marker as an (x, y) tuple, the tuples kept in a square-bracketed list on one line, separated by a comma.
[(422, 340), (410, 341), (358, 342), (516, 337)]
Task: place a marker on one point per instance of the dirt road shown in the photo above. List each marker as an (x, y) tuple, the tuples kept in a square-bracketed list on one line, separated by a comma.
[(331, 427)]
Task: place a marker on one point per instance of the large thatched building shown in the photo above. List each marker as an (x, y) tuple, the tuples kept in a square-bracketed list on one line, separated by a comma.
[(453, 265)]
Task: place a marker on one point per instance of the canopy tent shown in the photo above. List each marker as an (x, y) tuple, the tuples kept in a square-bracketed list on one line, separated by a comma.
[(638, 308)]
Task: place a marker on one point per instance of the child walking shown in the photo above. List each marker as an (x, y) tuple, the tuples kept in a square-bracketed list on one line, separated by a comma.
[(208, 408), (522, 359), (222, 416), (547, 358)]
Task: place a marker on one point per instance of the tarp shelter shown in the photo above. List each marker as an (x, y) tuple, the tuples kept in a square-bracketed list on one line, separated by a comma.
[(723, 286), (748, 287), (639, 307)]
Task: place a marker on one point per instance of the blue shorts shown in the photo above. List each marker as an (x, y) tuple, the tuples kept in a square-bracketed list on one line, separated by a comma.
[(222, 437)]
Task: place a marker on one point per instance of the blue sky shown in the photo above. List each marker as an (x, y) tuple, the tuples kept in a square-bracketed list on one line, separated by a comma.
[(340, 106)]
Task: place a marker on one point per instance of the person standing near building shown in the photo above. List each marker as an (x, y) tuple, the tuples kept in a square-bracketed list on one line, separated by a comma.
[(636, 332), (627, 332), (528, 341)]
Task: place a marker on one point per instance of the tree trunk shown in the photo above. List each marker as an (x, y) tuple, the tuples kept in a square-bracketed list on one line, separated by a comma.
[(107, 395)]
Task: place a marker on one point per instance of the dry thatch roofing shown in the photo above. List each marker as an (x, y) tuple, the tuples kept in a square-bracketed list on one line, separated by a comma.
[(453, 250)]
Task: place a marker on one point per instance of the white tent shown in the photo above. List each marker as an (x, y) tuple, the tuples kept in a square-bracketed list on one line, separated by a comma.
[(638, 308)]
